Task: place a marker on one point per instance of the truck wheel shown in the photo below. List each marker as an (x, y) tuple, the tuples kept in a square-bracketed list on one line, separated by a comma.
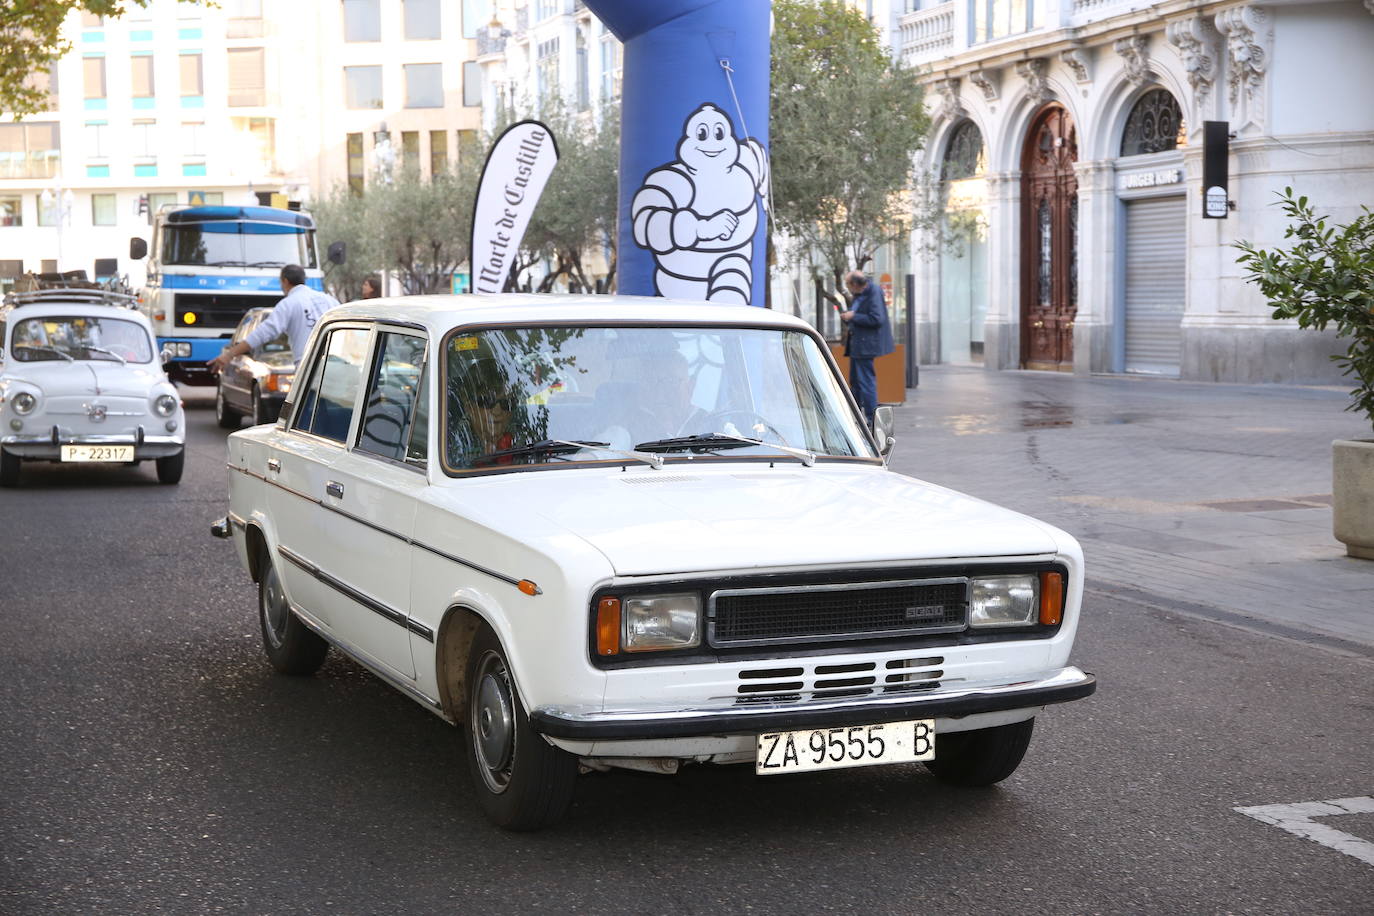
[(226, 416), (9, 469), (291, 646), (169, 469), (980, 757), (522, 781)]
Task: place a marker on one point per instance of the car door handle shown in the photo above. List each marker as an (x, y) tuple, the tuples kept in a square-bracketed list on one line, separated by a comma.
[(333, 489), (273, 465)]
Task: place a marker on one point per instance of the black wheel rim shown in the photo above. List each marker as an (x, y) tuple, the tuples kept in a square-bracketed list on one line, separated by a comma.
[(492, 722)]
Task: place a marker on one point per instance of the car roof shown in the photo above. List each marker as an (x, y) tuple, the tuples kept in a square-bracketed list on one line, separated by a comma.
[(440, 313)]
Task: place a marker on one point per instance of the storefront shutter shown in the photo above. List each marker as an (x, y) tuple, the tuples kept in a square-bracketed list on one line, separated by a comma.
[(1156, 283)]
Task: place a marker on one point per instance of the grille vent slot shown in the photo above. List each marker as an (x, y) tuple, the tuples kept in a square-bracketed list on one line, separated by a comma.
[(829, 681)]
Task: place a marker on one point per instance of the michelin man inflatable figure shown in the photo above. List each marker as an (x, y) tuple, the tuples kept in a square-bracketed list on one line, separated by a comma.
[(698, 214)]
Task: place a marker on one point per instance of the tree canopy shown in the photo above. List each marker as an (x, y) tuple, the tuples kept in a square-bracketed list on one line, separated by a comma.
[(846, 123)]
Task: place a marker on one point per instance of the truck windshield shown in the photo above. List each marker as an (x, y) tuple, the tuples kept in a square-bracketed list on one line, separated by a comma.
[(238, 244), (552, 395)]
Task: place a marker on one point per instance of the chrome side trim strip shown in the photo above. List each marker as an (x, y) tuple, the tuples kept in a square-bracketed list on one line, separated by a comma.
[(372, 604), (509, 580)]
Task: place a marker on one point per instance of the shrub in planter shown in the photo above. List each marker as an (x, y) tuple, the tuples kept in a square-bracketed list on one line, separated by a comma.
[(1327, 278)]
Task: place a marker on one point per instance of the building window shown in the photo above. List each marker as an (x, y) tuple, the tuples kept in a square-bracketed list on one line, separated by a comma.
[(141, 76), (410, 150), (102, 209), (93, 82), (964, 154), (145, 139), (97, 139), (247, 78), (989, 19), (259, 139), (362, 20), (424, 85), (159, 200), (244, 18), (1154, 125), (44, 81), (549, 8), (472, 83), (422, 21), (192, 76), (547, 69), (438, 152), (11, 212), (356, 165), (29, 149), (193, 138), (468, 145), (610, 67), (47, 212), (363, 87), (92, 20)]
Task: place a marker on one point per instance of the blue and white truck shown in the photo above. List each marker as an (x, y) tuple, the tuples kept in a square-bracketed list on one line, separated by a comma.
[(207, 266)]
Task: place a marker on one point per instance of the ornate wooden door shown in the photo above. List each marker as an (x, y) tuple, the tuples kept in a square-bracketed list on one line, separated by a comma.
[(1049, 241)]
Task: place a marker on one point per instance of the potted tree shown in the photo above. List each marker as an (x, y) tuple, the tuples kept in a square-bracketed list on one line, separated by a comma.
[(1327, 278)]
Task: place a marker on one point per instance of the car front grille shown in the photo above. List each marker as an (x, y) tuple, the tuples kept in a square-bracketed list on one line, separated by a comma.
[(822, 613)]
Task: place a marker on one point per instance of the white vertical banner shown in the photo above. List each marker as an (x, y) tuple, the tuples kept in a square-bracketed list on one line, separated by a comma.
[(517, 169)]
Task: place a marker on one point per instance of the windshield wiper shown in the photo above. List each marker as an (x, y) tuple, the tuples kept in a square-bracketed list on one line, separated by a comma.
[(715, 441), (558, 447), (266, 264), (122, 360), (62, 353), (225, 264)]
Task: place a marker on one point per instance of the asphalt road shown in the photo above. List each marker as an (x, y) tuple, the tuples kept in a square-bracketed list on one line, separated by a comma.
[(150, 761)]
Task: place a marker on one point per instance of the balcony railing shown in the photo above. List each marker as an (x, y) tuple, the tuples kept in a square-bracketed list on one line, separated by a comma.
[(487, 43), (927, 34)]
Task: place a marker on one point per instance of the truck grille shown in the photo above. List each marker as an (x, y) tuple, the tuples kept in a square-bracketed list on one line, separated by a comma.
[(218, 310), (754, 616)]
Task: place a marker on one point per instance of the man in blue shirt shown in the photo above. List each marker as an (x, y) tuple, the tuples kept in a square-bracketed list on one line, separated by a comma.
[(870, 336), (295, 315)]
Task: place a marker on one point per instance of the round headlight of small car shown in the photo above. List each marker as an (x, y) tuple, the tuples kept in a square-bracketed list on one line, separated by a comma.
[(24, 403), (165, 405)]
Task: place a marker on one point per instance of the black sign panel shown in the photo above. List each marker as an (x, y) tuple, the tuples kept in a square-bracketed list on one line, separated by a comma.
[(1215, 166)]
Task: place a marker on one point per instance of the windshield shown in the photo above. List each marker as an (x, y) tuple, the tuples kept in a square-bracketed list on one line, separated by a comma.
[(61, 337), (511, 391), (228, 243)]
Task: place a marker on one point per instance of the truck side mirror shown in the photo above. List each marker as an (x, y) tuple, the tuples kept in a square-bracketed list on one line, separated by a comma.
[(338, 252), (138, 249)]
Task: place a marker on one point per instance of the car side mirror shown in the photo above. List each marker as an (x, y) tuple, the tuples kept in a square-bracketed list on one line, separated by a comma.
[(166, 355), (883, 426), (138, 248), (338, 252)]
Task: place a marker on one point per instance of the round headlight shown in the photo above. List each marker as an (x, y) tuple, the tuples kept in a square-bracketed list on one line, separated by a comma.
[(165, 405), (24, 403)]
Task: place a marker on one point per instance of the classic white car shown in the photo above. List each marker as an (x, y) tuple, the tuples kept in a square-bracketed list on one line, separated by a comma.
[(81, 380), (615, 532)]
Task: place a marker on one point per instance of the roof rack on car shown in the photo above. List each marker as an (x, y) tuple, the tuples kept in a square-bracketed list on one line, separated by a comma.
[(96, 296)]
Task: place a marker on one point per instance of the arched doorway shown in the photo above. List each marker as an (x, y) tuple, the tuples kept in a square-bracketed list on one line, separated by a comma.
[(963, 253), (1049, 241)]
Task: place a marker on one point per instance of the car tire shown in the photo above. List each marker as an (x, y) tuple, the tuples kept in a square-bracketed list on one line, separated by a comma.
[(522, 781), (226, 416), (169, 469), (9, 469), (291, 647), (980, 757), (259, 415)]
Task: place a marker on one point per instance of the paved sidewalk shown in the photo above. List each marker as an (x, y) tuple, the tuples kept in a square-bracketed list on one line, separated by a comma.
[(1208, 498)]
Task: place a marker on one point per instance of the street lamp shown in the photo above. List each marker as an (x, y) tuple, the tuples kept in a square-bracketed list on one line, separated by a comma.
[(60, 200)]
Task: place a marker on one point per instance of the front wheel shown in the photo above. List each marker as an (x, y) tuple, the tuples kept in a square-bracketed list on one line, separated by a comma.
[(522, 781), (169, 469), (980, 757), (226, 416), (291, 646), (9, 469)]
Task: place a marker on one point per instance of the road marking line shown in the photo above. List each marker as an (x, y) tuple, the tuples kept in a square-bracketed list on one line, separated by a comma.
[(1297, 819)]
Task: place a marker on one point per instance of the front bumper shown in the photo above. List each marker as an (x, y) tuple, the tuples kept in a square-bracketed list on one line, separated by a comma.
[(1060, 686), (48, 447)]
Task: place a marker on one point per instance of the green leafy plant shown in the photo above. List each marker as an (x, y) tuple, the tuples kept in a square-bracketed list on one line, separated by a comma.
[(1326, 278)]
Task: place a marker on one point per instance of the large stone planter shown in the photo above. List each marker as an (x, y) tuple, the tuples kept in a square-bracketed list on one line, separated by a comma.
[(1352, 488)]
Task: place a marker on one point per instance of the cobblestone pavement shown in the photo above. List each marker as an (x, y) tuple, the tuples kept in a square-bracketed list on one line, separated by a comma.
[(1209, 498)]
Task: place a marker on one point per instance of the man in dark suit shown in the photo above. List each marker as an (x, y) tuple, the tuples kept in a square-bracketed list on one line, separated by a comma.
[(870, 336)]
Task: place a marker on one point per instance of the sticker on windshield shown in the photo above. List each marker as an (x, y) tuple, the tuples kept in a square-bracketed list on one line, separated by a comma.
[(465, 343)]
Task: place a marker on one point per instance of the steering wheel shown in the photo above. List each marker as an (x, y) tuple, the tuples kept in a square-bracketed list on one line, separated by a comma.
[(716, 418)]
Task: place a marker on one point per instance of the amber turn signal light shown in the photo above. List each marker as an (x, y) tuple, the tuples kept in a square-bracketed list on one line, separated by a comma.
[(1051, 598), (608, 626), (528, 587)]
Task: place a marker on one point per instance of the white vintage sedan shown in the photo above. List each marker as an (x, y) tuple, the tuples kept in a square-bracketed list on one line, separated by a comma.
[(81, 381), (617, 532)]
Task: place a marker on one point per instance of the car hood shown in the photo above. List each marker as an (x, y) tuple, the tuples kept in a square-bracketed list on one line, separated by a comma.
[(680, 520), (85, 377)]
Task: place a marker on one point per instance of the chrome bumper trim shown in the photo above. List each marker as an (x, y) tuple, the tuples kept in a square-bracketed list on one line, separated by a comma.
[(1058, 687)]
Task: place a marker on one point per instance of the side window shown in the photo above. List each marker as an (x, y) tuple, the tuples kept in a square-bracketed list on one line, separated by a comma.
[(392, 396), (327, 404), (2, 340), (418, 450), (245, 328)]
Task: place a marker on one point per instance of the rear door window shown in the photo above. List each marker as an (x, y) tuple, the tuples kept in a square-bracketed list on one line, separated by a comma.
[(393, 395), (327, 404)]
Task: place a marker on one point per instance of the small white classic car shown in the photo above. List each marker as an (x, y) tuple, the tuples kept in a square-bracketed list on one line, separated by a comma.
[(616, 532), (81, 381)]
